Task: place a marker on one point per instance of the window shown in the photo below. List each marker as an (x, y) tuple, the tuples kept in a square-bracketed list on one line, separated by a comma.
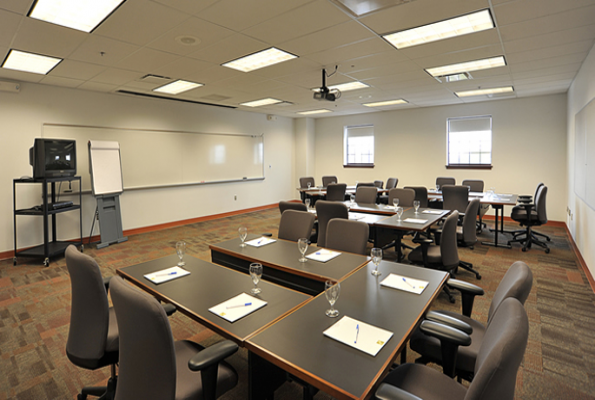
[(469, 142), (358, 146)]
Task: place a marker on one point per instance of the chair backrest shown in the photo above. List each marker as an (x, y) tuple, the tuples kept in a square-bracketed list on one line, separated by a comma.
[(540, 204), (392, 183), (405, 196), (364, 184), (449, 251), (291, 205), (378, 184), (326, 180), (500, 355), (443, 180), (89, 313), (295, 225), (421, 194), (327, 210), (346, 235), (537, 190), (455, 197), (147, 356), (366, 194), (517, 283), (469, 225), (475, 185), (336, 191), (304, 182)]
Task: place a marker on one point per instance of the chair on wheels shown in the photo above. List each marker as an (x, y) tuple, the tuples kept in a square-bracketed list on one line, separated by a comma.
[(291, 205), (153, 366), (421, 194), (346, 235), (391, 183), (443, 180), (498, 361), (529, 218), (467, 233), (476, 185), (366, 195), (443, 256), (327, 180), (379, 184), (516, 283), (523, 200), (336, 192), (295, 225), (360, 184), (304, 185), (327, 210), (405, 196), (455, 197)]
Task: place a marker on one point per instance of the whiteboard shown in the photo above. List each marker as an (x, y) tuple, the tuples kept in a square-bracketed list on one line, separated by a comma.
[(159, 158), (105, 167), (584, 148)]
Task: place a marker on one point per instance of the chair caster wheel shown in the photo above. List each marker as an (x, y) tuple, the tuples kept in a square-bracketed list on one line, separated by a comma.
[(478, 277), (547, 251), (524, 249), (81, 397), (451, 299), (46, 262)]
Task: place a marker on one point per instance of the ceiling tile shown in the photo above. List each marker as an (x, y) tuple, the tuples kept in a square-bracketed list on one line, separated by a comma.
[(114, 76), (582, 46), (103, 51), (349, 51), (60, 81), (477, 53), (9, 22), (146, 60), (228, 49), (76, 70), (452, 45), (183, 67), (291, 67), (187, 6), (20, 76), (523, 10), (19, 6), (98, 86), (48, 39), (586, 32)]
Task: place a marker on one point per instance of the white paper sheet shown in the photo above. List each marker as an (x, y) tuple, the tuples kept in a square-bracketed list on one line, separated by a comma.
[(260, 241), (404, 283), (166, 275), (323, 255), (355, 217), (237, 307), (432, 212), (359, 335), (415, 220)]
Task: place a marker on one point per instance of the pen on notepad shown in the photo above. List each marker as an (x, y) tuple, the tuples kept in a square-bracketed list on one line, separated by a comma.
[(405, 280), (356, 333), (239, 305), (166, 274)]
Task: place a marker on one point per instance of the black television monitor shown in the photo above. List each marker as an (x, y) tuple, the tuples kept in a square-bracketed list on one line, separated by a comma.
[(53, 158)]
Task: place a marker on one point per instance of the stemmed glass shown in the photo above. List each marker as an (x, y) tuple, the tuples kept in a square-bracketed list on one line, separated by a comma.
[(395, 202), (332, 289), (416, 206), (255, 274), (351, 200), (243, 231), (303, 246), (181, 249), (399, 213), (307, 202), (309, 184), (376, 254)]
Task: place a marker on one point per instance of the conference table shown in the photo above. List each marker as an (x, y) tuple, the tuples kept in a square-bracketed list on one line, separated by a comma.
[(296, 343), (208, 285), (280, 263)]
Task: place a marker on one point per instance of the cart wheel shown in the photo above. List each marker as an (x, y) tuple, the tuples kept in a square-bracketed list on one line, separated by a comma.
[(14, 261), (46, 262), (82, 248)]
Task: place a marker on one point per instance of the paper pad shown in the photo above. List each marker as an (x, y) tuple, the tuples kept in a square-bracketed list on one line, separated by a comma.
[(432, 212), (323, 255), (403, 283), (415, 221), (260, 241), (166, 275), (359, 335), (235, 313)]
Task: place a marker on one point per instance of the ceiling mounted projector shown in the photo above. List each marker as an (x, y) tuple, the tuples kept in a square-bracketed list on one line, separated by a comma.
[(324, 93)]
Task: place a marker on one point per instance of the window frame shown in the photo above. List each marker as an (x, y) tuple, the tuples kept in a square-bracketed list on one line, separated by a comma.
[(346, 130), (469, 165)]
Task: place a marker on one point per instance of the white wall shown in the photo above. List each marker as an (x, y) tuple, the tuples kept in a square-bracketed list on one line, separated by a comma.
[(529, 146), (305, 141), (23, 114), (582, 221)]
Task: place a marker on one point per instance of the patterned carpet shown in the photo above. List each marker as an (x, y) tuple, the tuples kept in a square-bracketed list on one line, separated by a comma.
[(35, 301)]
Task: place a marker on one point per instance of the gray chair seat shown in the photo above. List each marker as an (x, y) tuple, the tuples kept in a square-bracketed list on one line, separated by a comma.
[(434, 256)]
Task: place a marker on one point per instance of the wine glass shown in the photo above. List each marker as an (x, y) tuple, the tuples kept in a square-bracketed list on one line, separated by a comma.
[(395, 202), (243, 231), (399, 213), (437, 187), (307, 202), (303, 246), (332, 289), (181, 249), (309, 184), (376, 254), (416, 206), (352, 199), (255, 274)]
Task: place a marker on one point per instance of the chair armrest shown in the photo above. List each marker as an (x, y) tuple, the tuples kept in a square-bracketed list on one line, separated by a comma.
[(468, 293), (438, 317), (212, 355), (389, 392), (450, 340), (422, 241), (267, 234), (169, 309), (106, 282)]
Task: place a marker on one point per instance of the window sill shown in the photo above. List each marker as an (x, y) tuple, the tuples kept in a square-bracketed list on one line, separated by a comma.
[(358, 166), (469, 166)]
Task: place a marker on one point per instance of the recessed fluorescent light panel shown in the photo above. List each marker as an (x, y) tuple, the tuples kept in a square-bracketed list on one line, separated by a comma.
[(312, 112), (262, 102), (385, 103), (29, 62), (463, 25), (483, 92), (469, 66), (82, 15), (177, 87), (345, 87), (259, 60)]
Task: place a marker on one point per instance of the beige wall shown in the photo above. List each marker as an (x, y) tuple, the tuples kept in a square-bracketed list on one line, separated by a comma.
[(23, 114), (529, 146), (581, 217)]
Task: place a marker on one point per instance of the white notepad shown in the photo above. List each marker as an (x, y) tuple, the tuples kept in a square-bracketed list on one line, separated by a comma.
[(389, 207), (356, 217), (404, 283), (432, 212), (166, 275), (237, 307), (415, 220), (261, 241), (312, 210), (323, 255), (359, 335)]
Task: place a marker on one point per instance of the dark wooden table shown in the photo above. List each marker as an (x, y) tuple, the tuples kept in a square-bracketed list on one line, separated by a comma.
[(280, 263), (209, 285), (296, 343)]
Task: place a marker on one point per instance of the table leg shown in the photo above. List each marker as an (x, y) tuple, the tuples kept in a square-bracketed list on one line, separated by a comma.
[(263, 378), (496, 230)]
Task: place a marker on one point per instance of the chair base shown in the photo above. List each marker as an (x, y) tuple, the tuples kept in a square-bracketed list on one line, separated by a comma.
[(103, 392), (469, 267), (527, 238)]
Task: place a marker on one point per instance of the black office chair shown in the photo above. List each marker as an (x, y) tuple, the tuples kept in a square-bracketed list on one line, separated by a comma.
[(379, 184), (467, 233), (421, 194), (455, 197), (304, 185), (531, 217), (442, 180), (391, 183), (327, 210), (346, 235), (523, 200), (295, 225), (516, 283), (291, 205), (153, 366), (366, 195), (498, 361), (327, 180), (444, 256), (336, 192), (364, 184)]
